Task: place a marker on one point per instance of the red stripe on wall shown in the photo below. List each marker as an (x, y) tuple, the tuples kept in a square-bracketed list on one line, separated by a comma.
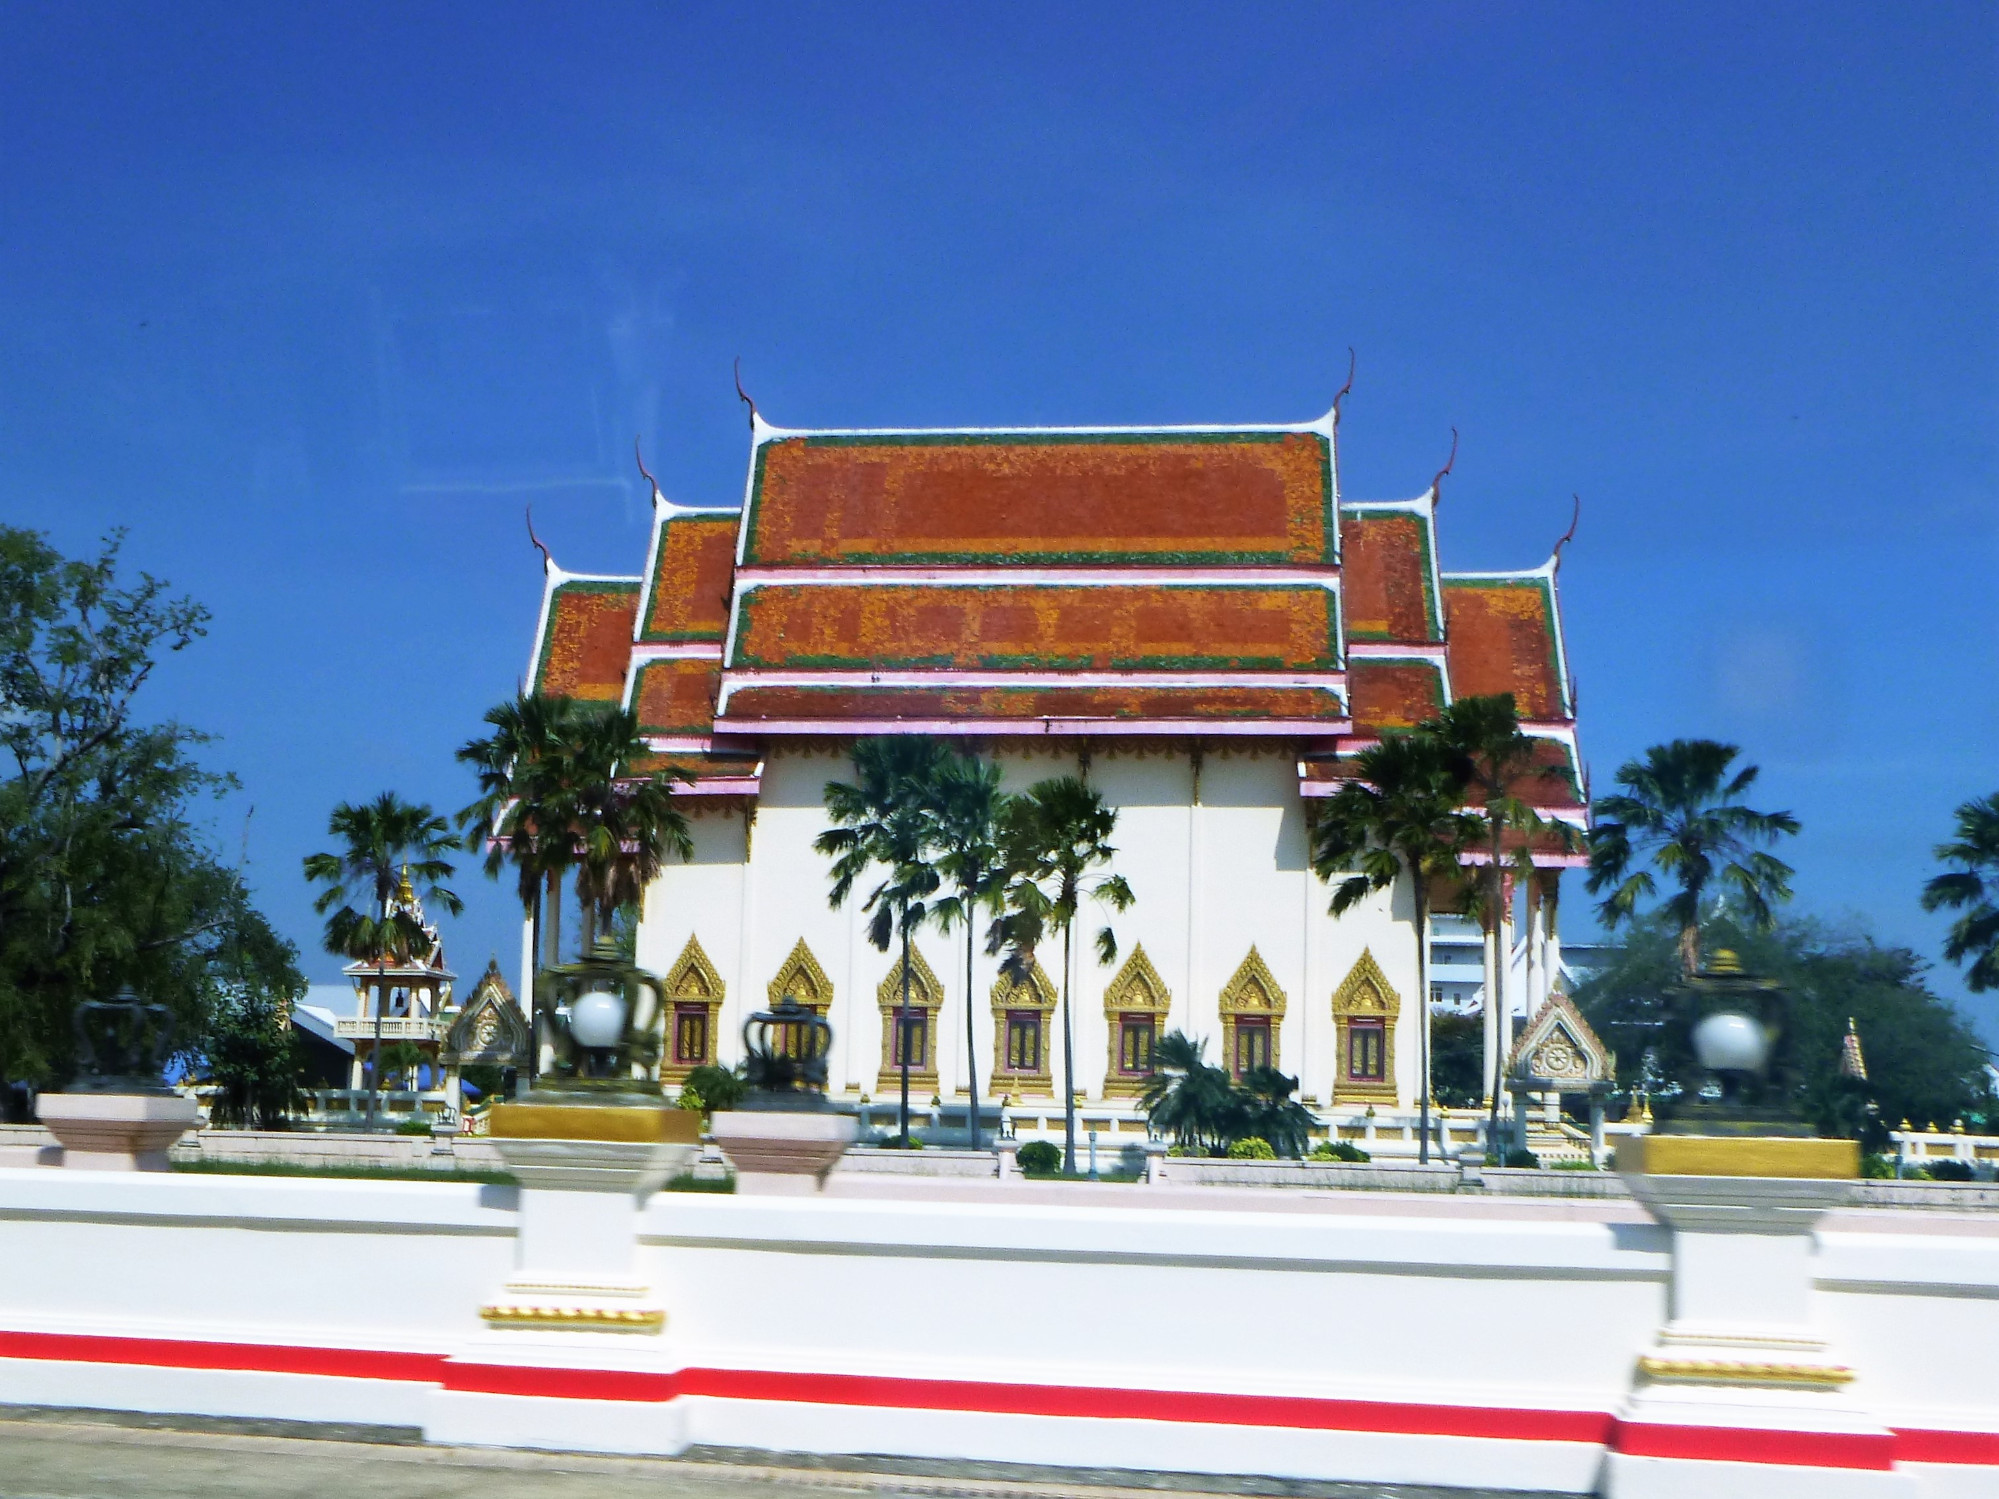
[(565, 1384), (1947, 1446), (1150, 1405), (1640, 1439), (259, 1358), (1737, 1444)]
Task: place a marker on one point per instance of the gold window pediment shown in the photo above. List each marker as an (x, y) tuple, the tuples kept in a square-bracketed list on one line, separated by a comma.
[(693, 980), (926, 994), (1252, 1011), (801, 978), (1016, 996), (1364, 1003)]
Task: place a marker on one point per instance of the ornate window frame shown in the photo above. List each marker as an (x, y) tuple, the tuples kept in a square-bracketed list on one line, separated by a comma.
[(1035, 992), (1252, 991), (1136, 990), (692, 980), (925, 994), (1365, 994)]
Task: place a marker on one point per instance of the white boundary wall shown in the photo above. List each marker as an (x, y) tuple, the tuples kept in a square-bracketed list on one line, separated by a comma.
[(1380, 1339)]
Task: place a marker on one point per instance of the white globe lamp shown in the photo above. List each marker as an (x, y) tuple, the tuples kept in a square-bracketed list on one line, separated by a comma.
[(1728, 1042), (597, 1020)]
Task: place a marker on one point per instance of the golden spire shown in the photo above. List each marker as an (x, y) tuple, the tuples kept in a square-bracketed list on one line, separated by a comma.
[(1851, 1062)]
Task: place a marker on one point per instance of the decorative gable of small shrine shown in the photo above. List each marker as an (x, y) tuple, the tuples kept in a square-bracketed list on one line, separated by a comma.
[(490, 1031), (1558, 1046)]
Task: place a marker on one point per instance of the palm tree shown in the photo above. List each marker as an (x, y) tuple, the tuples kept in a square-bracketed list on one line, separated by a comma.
[(521, 798), (1187, 1096), (523, 813), (1266, 1110), (1056, 840), (623, 816), (380, 841), (883, 820), (1482, 736), (1679, 805), (1402, 815), (966, 810), (1973, 889)]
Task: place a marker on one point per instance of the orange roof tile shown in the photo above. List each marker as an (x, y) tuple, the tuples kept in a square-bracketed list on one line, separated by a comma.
[(750, 705), (588, 641), (1394, 694), (1223, 497), (677, 696), (1049, 627), (1385, 568), (688, 587), (1502, 639)]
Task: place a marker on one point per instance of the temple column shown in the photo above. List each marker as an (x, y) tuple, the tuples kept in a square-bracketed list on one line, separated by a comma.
[(1494, 1057)]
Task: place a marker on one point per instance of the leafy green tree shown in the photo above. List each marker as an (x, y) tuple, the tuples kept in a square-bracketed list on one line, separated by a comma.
[(1973, 888), (1680, 808), (1497, 762), (1400, 817), (881, 820), (1924, 1061), (966, 811), (1457, 1046), (105, 878), (1056, 839), (251, 1052), (378, 841)]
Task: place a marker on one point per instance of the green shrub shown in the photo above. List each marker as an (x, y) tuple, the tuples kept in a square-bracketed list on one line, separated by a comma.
[(1339, 1150), (718, 1088), (1525, 1160), (690, 1099), (1040, 1158), (1877, 1168), (413, 1127), (1255, 1148), (687, 1181), (1951, 1171), (1583, 1165)]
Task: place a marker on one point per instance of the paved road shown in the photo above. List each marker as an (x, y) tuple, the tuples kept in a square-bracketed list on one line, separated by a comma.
[(81, 1455)]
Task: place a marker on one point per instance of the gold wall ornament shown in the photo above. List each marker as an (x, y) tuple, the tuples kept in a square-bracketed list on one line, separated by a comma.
[(1034, 992), (574, 1318), (925, 994), (1741, 1371), (693, 980), (1365, 995), (1137, 994), (1252, 991)]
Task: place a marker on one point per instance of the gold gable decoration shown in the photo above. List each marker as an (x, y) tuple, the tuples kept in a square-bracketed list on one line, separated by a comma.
[(1034, 992), (693, 980), (1137, 986), (1365, 995), (1252, 992), (802, 979), (490, 1030), (1559, 1045), (926, 994)]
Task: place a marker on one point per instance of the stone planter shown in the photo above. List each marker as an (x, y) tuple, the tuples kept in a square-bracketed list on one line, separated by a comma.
[(117, 1131), (783, 1151)]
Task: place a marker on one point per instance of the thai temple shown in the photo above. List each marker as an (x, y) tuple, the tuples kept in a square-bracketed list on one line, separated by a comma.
[(1194, 619)]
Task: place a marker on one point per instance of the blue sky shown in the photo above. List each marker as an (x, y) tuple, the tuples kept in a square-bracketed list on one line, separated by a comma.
[(315, 299)]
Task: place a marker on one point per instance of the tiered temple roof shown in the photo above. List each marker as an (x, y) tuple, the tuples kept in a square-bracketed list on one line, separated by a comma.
[(1158, 582)]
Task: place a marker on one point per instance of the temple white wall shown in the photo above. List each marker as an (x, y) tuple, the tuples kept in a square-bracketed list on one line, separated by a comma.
[(1489, 1344), (1213, 873)]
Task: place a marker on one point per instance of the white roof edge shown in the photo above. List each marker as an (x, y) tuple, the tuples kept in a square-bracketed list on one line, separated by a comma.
[(666, 510), (1423, 504), (1520, 574), (765, 432)]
